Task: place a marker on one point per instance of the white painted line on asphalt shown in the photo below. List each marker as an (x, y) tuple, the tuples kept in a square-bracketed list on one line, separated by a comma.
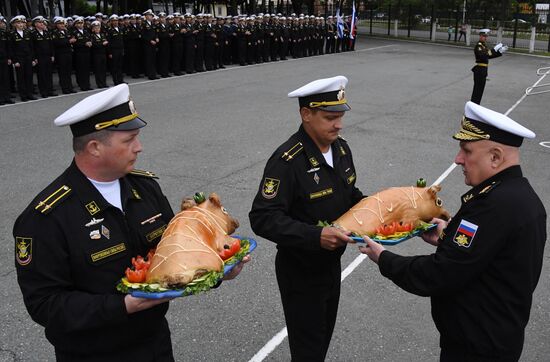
[(270, 346), (524, 95), (545, 144), (283, 333)]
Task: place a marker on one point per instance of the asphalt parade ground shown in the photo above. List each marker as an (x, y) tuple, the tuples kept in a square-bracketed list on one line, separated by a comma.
[(214, 132)]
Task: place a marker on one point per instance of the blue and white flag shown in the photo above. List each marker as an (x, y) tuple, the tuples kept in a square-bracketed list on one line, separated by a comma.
[(339, 24)]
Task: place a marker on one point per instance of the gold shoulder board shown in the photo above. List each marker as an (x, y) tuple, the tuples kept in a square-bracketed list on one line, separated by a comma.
[(143, 173), (292, 152), (489, 188), (47, 205)]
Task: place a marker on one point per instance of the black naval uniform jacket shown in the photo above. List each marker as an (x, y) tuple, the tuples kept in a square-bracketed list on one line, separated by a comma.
[(72, 248), (483, 274), (298, 190)]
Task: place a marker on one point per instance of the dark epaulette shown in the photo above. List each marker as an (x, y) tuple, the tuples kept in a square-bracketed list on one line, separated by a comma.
[(489, 188), (292, 152), (143, 173), (47, 205)]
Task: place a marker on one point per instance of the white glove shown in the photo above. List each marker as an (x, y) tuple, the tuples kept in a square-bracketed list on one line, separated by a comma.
[(503, 49), (497, 47)]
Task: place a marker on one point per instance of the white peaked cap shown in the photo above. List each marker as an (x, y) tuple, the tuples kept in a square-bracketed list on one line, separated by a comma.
[(327, 94), (110, 109), (481, 123)]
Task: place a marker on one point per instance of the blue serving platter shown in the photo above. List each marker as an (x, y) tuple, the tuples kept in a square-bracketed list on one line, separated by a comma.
[(175, 293), (359, 239)]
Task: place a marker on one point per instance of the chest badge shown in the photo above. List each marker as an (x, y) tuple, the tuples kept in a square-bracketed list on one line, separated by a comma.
[(316, 178), (270, 187), (95, 235), (92, 208), (93, 222), (105, 232), (465, 234)]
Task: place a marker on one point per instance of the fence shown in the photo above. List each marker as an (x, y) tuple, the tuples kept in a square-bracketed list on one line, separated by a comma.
[(519, 30)]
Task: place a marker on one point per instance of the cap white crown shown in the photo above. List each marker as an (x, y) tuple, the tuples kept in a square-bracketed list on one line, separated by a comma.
[(94, 104), (481, 114), (320, 86)]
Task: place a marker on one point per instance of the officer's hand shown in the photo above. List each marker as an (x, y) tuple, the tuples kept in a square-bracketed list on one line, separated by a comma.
[(432, 236), (134, 304), (503, 49), (237, 269), (372, 249), (332, 238), (497, 47)]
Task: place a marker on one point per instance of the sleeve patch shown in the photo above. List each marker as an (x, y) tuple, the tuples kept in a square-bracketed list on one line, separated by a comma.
[(23, 250), (270, 187), (465, 234)]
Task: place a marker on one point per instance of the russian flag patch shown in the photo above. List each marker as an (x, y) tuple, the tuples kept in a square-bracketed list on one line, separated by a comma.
[(465, 233)]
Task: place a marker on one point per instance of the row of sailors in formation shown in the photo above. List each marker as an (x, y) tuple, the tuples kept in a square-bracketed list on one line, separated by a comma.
[(152, 45)]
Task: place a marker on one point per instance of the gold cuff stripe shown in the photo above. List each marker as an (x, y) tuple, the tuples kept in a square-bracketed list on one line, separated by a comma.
[(115, 122), (482, 64), (327, 103)]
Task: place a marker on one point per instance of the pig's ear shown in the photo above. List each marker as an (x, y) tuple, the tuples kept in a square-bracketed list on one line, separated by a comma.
[(215, 199), (433, 190), (187, 203)]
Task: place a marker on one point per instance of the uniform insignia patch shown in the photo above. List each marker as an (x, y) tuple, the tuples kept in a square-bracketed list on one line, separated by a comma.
[(316, 178), (136, 195), (92, 208), (322, 193), (23, 250), (94, 235), (314, 169), (108, 252), (93, 222), (467, 197), (465, 233), (313, 161), (351, 179), (156, 233), (105, 232), (342, 151), (270, 187)]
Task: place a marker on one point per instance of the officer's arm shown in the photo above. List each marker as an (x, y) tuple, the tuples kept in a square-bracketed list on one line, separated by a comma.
[(46, 280), (453, 265), (270, 217)]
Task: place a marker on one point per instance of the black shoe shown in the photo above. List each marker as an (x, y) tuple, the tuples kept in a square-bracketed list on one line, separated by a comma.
[(222, 67), (44, 95), (72, 91), (9, 101), (31, 98), (24, 99), (153, 78), (135, 76), (178, 73), (52, 94)]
